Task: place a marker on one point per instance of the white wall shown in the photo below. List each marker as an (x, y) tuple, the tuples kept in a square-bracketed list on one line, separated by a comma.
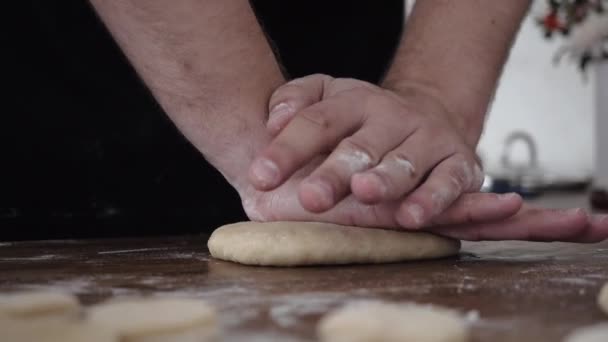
[(601, 127), (553, 103)]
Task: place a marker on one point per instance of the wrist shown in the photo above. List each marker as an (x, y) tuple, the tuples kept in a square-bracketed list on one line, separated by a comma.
[(467, 121), (231, 142)]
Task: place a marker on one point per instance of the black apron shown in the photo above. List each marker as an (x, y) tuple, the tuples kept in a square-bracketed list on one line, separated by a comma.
[(85, 150)]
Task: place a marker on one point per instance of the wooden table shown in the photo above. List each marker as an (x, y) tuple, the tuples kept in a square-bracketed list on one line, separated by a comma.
[(511, 291)]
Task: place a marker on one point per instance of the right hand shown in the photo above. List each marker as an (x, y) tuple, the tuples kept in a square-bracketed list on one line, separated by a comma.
[(473, 216)]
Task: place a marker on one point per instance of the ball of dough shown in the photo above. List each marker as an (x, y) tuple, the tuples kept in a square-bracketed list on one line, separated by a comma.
[(602, 298), (156, 319), (312, 243), (592, 333), (377, 321), (38, 304), (31, 330)]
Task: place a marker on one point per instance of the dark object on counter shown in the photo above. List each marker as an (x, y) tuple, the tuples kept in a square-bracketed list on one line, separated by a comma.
[(503, 186), (525, 179), (599, 199)]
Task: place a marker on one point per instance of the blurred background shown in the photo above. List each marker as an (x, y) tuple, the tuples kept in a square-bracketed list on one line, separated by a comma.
[(555, 104), (86, 151)]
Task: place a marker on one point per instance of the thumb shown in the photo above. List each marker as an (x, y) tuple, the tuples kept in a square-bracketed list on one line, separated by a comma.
[(292, 97)]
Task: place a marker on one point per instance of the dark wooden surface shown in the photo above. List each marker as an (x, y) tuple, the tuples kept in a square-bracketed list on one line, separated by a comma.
[(511, 291)]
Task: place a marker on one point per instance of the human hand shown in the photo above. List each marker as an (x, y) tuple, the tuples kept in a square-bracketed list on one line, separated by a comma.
[(282, 204), (402, 148), (474, 216)]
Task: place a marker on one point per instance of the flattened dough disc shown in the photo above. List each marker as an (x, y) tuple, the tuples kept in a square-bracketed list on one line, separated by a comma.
[(26, 330), (592, 333), (378, 321), (312, 243), (156, 319), (602, 298), (38, 304)]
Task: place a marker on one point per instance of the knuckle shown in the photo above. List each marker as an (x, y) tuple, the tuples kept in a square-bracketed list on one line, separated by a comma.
[(478, 178), (402, 159), (468, 217), (379, 103), (282, 95), (460, 175), (361, 148), (318, 117), (441, 198)]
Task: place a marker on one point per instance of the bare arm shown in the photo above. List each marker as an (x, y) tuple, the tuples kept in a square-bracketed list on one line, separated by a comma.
[(455, 50), (210, 67)]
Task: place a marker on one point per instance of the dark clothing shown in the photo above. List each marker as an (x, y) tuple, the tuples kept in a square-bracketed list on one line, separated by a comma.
[(85, 149)]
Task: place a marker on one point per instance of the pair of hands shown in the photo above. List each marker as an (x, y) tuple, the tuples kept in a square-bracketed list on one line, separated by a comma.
[(349, 152)]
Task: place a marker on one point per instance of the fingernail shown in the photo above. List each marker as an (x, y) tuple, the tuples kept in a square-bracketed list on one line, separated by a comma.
[(507, 196), (279, 111), (375, 182), (265, 172), (417, 213)]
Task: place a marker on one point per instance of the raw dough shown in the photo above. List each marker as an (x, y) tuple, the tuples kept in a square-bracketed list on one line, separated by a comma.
[(384, 322), (156, 320), (311, 243), (20, 330), (35, 304), (592, 333), (602, 298)]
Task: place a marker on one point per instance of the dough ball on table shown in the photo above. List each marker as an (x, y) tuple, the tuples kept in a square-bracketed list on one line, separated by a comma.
[(38, 330), (602, 298), (156, 320), (38, 304), (384, 322), (312, 243), (592, 333)]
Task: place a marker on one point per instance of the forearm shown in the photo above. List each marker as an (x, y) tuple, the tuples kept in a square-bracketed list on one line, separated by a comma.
[(209, 66), (455, 51)]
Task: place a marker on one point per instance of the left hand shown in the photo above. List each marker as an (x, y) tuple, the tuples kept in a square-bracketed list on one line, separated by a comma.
[(385, 146)]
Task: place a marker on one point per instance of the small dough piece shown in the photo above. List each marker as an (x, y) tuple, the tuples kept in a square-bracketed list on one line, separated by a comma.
[(312, 243), (20, 330), (38, 304), (592, 333), (156, 319), (384, 322), (602, 298)]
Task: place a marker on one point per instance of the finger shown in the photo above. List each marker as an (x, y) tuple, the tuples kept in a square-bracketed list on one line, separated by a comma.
[(597, 229), (402, 169), (448, 180), (292, 97), (330, 182), (313, 131), (479, 207), (532, 224)]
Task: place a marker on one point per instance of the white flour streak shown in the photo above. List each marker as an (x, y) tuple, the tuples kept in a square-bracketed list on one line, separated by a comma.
[(356, 160), (34, 258), (134, 250), (74, 286), (574, 281)]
